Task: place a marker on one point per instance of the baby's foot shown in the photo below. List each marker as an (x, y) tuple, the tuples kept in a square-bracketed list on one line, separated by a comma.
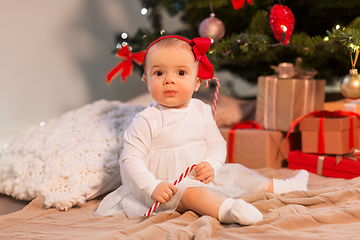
[(244, 213), (299, 182)]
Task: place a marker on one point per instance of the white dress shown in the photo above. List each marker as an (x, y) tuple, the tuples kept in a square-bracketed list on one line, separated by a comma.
[(159, 145)]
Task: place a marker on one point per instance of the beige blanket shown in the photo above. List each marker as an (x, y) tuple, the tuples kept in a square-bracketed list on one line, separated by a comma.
[(330, 209)]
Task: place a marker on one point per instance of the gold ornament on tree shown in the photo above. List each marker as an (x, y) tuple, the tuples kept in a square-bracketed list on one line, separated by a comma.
[(350, 84)]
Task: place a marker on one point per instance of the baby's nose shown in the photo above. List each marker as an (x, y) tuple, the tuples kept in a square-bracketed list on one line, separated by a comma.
[(170, 80)]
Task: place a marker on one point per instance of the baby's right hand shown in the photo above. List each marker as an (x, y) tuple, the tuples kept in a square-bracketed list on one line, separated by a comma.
[(164, 192)]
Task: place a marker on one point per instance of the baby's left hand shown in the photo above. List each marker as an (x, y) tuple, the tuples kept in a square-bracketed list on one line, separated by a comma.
[(204, 172)]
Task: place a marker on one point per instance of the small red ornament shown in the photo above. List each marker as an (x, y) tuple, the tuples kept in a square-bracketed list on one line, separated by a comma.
[(282, 23)]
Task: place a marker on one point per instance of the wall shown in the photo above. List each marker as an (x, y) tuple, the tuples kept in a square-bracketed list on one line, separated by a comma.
[(54, 56)]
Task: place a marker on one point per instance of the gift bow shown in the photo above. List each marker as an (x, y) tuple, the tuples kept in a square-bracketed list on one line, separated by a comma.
[(324, 114), (242, 125), (237, 4), (200, 46), (126, 65)]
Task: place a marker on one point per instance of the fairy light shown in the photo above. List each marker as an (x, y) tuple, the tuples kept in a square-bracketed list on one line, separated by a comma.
[(284, 29), (326, 39), (124, 35), (337, 27), (143, 11)]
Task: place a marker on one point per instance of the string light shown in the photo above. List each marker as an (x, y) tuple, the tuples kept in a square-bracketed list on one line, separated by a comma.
[(326, 38), (143, 11), (337, 27), (124, 35)]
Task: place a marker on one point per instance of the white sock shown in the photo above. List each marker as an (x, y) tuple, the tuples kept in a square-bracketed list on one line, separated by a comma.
[(299, 182), (238, 211)]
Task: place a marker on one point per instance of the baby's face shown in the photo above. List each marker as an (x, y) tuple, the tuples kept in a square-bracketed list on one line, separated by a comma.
[(171, 75)]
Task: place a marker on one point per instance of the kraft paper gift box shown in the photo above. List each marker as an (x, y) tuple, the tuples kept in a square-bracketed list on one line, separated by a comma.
[(329, 135), (329, 166), (255, 148), (280, 101), (343, 105)]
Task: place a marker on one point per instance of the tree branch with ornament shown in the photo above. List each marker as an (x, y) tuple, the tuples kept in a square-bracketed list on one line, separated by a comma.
[(246, 40)]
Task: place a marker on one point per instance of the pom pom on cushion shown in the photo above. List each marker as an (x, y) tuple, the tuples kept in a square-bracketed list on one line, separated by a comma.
[(69, 160)]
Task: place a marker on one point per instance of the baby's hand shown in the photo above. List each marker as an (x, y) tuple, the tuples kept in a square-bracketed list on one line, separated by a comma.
[(204, 172), (164, 192)]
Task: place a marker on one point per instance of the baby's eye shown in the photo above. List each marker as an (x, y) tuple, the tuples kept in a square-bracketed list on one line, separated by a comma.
[(181, 73), (158, 73)]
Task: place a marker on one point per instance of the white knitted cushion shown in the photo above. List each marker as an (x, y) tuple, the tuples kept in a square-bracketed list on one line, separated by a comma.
[(69, 160)]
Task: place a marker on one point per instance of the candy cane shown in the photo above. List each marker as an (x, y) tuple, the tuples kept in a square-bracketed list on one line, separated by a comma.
[(216, 92), (182, 176)]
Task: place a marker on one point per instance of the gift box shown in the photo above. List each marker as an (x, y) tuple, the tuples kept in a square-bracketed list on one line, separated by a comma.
[(343, 105), (337, 105), (255, 148), (280, 101), (329, 133), (329, 166)]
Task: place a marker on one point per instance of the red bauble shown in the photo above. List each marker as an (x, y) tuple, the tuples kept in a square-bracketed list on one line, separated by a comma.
[(282, 21)]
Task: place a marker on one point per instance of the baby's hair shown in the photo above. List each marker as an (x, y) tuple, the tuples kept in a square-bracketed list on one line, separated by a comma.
[(170, 42)]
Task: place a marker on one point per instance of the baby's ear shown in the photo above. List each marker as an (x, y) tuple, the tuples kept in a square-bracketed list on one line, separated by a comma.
[(198, 83), (144, 78)]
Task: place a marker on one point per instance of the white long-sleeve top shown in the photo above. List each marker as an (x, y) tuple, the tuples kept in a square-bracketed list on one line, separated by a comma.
[(158, 130)]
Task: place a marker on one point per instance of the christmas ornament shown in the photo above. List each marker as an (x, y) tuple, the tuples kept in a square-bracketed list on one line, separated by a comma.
[(237, 4), (212, 27), (282, 23), (350, 84)]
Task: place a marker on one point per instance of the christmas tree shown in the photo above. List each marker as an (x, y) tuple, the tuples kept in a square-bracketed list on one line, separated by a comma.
[(325, 34)]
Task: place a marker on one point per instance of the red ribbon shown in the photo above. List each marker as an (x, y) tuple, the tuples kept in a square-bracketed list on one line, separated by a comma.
[(241, 125), (200, 46), (126, 65), (237, 4), (322, 115)]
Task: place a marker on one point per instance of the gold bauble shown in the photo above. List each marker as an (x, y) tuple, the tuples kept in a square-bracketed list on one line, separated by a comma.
[(350, 85)]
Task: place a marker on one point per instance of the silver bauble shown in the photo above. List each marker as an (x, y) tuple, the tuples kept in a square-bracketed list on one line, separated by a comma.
[(212, 27), (350, 85)]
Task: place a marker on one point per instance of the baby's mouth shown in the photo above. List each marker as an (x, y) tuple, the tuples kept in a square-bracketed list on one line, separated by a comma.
[(170, 93)]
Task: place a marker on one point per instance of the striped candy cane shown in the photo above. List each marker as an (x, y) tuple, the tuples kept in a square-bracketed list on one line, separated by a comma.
[(182, 176), (216, 92)]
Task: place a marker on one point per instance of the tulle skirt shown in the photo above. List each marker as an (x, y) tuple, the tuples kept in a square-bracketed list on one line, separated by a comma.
[(233, 180)]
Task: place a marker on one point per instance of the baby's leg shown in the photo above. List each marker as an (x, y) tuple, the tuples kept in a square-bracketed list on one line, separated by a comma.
[(226, 210)]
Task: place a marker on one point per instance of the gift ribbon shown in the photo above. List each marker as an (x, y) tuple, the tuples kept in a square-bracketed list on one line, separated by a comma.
[(270, 99), (126, 65), (320, 164), (242, 125), (324, 114), (352, 155)]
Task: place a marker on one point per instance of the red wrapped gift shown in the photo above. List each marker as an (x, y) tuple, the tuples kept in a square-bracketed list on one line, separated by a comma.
[(325, 132), (325, 165)]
